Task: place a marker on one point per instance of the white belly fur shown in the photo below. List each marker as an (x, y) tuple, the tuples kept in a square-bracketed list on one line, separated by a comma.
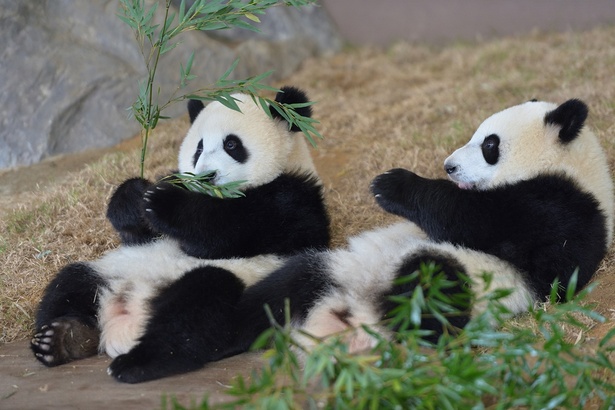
[(135, 274)]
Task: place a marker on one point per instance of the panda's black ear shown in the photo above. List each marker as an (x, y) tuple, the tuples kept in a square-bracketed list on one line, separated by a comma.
[(570, 116), (291, 95), (194, 108)]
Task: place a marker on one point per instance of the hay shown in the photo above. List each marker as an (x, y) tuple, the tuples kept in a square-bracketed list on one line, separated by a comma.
[(406, 106)]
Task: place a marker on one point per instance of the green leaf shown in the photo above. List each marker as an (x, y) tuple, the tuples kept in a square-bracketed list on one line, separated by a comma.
[(252, 17), (200, 184), (572, 285), (228, 101), (229, 71), (133, 24)]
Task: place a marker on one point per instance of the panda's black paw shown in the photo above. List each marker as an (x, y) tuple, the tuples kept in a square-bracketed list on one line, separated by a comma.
[(162, 204), (64, 340), (147, 361), (393, 190), (126, 368), (125, 212)]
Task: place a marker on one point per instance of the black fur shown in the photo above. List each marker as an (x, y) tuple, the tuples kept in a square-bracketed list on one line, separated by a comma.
[(490, 149), (281, 217), (458, 293), (66, 322), (570, 116), (234, 147), (190, 326), (197, 153), (302, 280), (194, 109), (246, 226), (126, 213), (207, 316), (545, 226), (291, 95)]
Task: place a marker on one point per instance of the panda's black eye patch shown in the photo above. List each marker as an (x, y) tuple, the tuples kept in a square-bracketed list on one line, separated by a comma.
[(234, 148), (197, 153), (491, 149)]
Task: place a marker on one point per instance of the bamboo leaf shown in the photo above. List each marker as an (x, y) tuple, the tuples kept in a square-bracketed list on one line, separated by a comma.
[(229, 71), (252, 17)]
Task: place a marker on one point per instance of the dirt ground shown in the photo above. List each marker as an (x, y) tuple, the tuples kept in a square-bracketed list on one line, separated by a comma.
[(406, 106)]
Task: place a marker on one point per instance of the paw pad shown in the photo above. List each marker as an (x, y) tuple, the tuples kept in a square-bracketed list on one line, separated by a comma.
[(64, 340)]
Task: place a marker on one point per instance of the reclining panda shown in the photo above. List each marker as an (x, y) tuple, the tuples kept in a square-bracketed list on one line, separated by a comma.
[(185, 256), (531, 200)]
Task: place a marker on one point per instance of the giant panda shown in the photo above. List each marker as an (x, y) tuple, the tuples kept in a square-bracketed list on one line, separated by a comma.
[(185, 256), (529, 200)]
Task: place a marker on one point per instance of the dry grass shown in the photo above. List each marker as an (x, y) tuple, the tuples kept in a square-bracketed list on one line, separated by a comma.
[(407, 106)]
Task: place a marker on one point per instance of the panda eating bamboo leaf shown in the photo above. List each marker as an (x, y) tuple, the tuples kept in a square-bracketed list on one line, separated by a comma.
[(186, 256)]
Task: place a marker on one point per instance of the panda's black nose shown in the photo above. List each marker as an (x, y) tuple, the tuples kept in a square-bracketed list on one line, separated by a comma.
[(450, 169)]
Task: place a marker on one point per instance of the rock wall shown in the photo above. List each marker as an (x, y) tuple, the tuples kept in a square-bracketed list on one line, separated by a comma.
[(69, 69)]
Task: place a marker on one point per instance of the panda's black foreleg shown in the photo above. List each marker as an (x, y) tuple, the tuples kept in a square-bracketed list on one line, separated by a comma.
[(420, 200), (445, 212), (457, 292), (66, 323), (191, 325), (126, 212)]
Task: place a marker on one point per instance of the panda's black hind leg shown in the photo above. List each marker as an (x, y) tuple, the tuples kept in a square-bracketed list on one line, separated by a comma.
[(66, 324), (64, 340), (457, 292), (191, 325)]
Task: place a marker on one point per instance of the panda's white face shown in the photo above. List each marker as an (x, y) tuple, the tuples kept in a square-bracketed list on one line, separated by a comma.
[(509, 146), (239, 146)]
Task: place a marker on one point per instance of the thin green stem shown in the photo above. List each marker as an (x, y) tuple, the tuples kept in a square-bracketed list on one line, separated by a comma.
[(150, 90)]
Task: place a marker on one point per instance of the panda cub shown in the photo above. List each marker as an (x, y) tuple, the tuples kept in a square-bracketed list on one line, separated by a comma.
[(530, 200), (186, 257)]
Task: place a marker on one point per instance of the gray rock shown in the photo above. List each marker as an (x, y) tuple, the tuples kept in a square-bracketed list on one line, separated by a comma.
[(69, 70)]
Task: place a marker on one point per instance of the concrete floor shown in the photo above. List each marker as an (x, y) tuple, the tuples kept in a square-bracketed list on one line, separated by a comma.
[(26, 384)]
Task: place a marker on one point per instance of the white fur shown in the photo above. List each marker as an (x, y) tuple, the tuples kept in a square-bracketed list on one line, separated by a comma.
[(135, 274), (366, 268), (272, 147)]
